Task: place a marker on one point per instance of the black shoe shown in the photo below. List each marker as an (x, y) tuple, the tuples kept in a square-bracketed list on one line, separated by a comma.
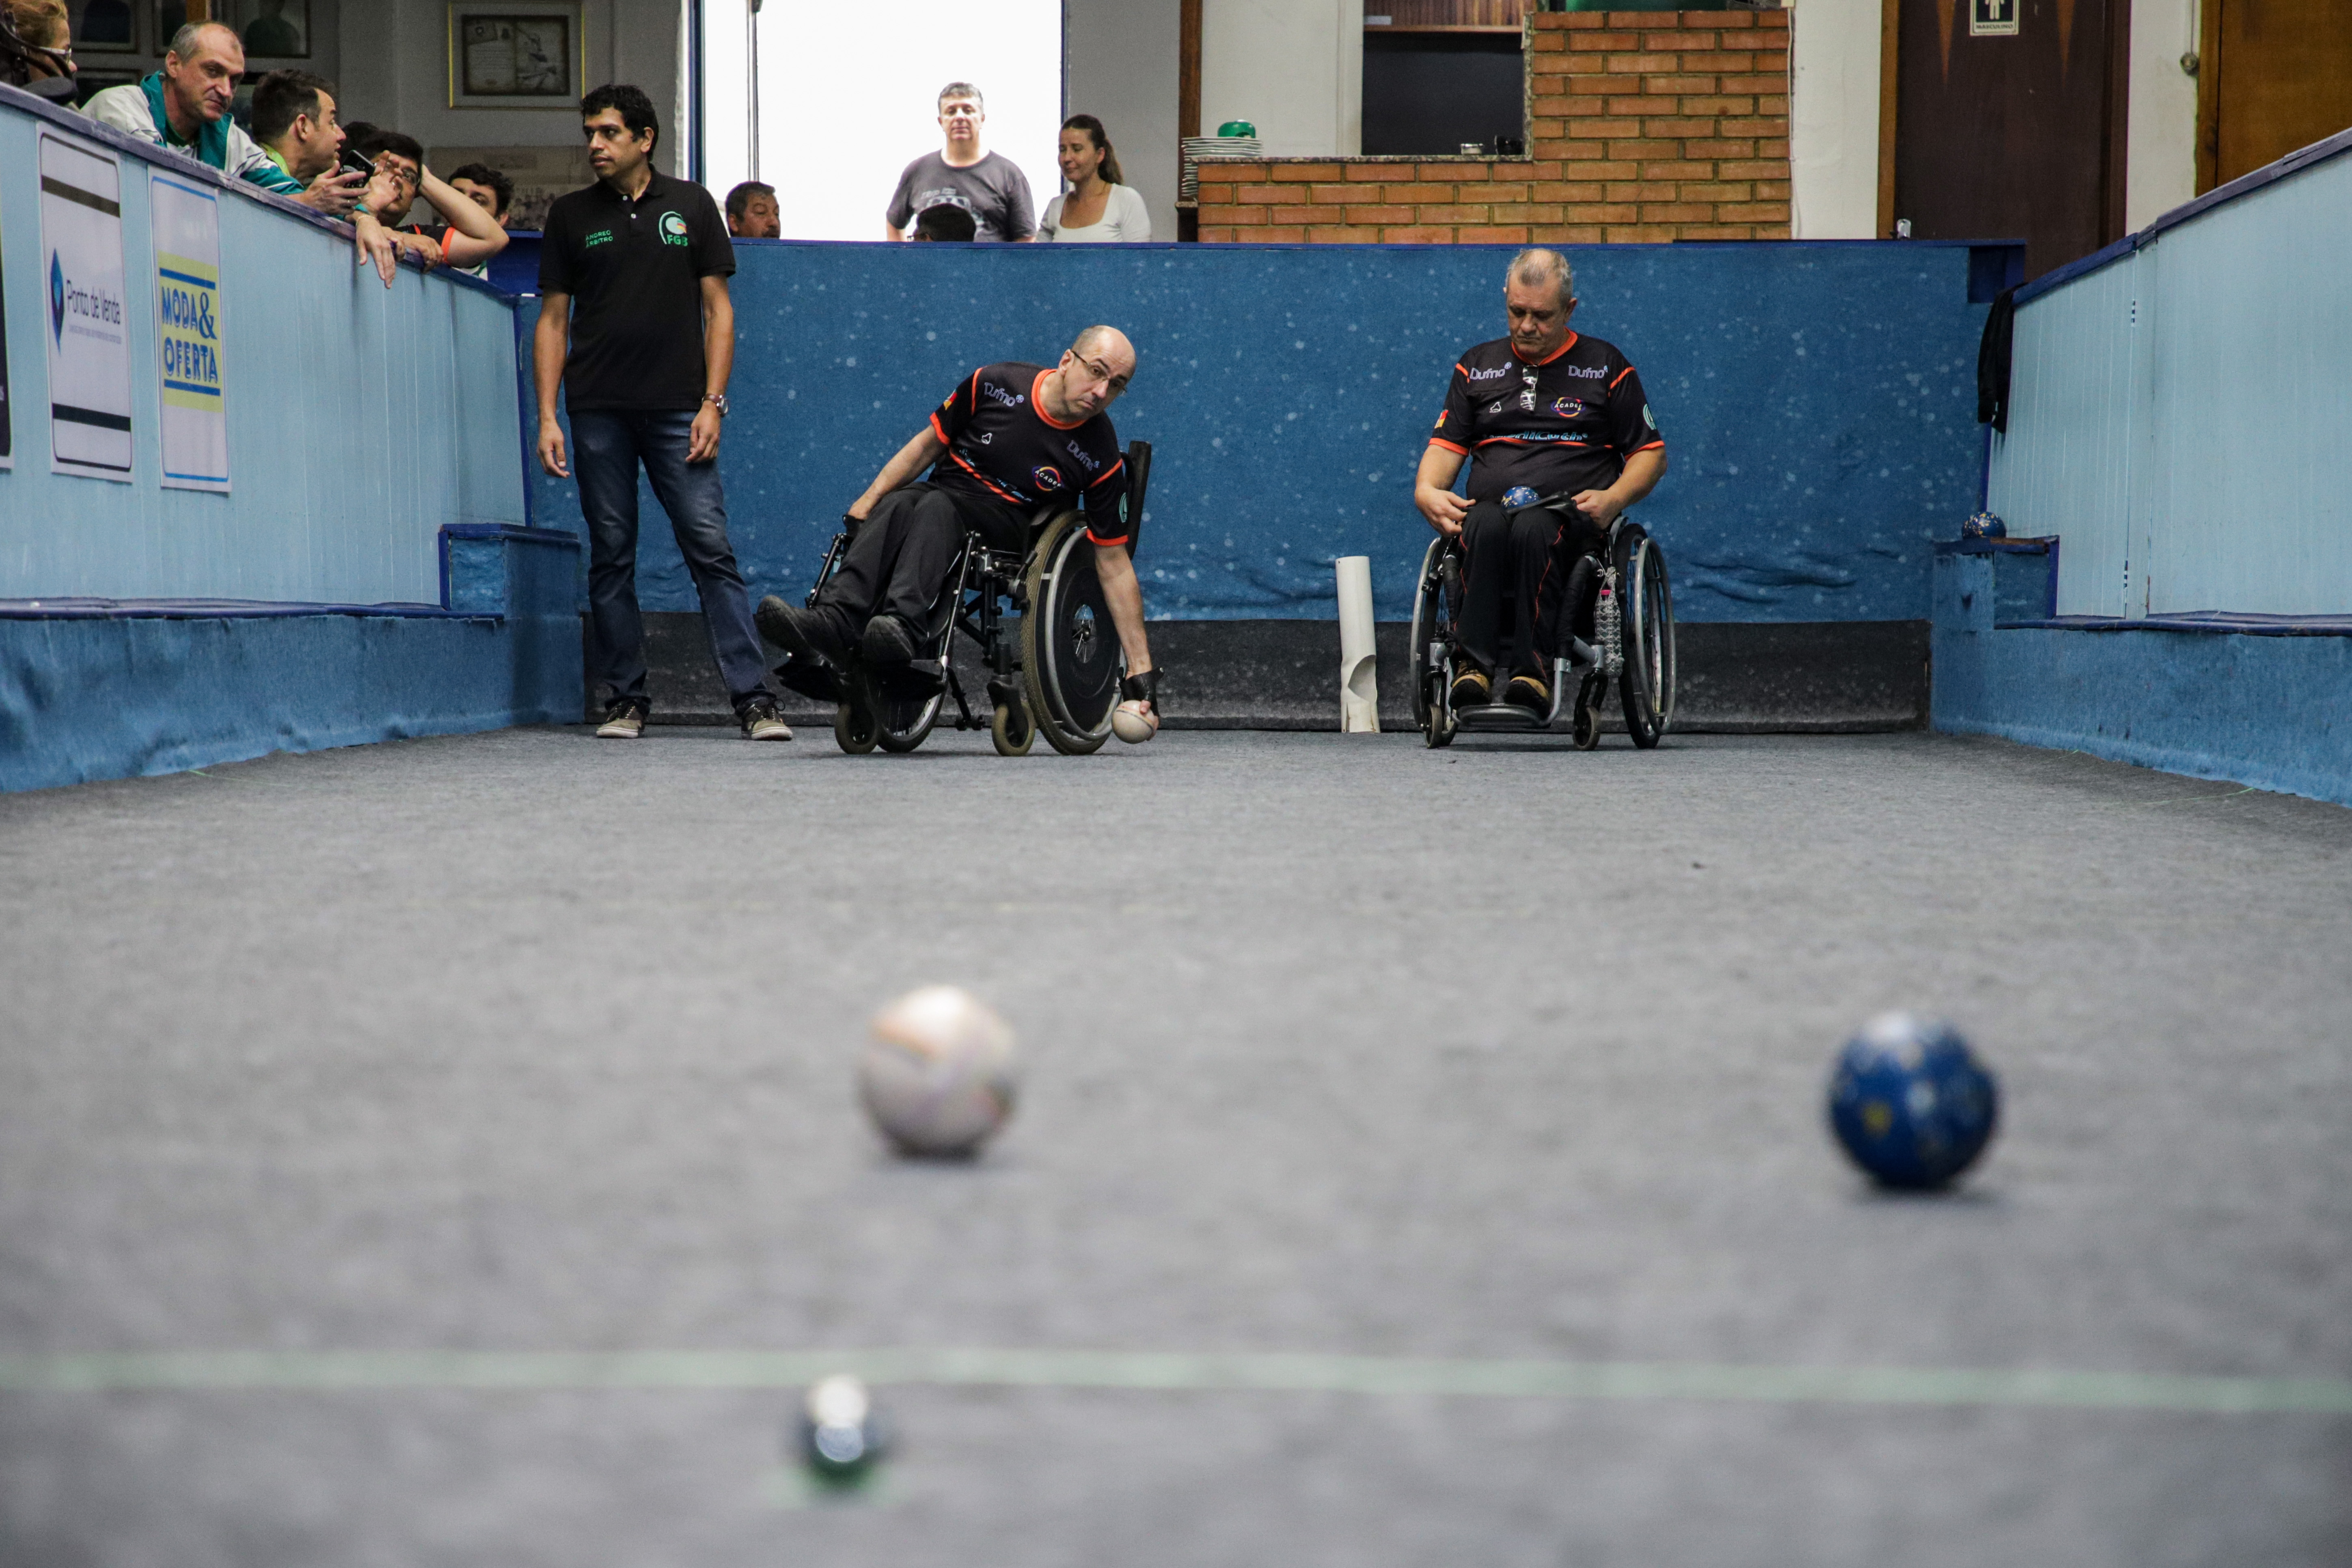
[(1529, 692), (1472, 688), (803, 633), (887, 643)]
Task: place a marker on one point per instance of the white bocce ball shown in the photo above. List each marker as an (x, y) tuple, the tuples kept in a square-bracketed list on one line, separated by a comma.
[(938, 1076), (1132, 723)]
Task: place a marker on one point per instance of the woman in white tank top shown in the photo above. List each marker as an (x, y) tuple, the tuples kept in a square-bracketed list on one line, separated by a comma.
[(1098, 209)]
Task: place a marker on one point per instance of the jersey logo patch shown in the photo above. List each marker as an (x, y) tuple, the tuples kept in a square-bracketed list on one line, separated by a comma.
[(1593, 372), (673, 230), (1049, 477), (990, 390), (1567, 408), (1648, 418)]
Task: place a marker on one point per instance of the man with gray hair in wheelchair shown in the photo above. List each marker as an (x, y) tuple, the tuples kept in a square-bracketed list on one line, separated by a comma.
[(1561, 441), (1010, 442)]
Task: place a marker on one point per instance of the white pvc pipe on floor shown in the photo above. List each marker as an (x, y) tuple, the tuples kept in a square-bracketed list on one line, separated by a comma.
[(1360, 690)]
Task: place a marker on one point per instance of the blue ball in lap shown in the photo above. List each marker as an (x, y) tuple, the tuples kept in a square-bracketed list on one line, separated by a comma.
[(1910, 1101), (1520, 496)]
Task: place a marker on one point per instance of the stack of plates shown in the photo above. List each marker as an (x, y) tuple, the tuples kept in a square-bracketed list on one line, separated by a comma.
[(1189, 185)]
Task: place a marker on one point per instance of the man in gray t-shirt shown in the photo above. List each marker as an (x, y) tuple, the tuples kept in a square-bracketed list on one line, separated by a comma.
[(988, 185)]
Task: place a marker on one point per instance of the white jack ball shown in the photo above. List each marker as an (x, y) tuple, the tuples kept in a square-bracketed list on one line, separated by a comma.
[(938, 1076)]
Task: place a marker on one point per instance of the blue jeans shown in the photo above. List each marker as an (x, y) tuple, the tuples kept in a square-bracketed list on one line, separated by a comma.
[(606, 448)]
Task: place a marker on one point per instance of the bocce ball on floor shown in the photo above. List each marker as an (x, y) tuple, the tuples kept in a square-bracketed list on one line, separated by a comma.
[(1910, 1101), (938, 1074)]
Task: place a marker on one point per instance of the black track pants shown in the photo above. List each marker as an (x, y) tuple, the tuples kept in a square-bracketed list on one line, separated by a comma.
[(1523, 558), (899, 558)]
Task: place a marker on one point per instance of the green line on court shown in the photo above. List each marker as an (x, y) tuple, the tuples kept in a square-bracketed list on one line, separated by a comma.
[(562, 1371)]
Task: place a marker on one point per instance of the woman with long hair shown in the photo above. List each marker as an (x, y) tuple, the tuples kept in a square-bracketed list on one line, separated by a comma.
[(1097, 209)]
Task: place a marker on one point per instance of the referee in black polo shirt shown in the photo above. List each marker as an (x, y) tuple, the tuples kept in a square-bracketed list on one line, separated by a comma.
[(636, 324)]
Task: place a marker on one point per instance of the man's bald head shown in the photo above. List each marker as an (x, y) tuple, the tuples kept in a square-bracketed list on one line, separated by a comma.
[(1102, 344), (200, 72)]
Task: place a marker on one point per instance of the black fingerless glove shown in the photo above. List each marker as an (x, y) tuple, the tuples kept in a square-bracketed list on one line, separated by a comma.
[(1144, 688)]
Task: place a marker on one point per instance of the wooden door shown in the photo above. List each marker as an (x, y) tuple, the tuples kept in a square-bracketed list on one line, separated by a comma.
[(2273, 75), (2009, 123)]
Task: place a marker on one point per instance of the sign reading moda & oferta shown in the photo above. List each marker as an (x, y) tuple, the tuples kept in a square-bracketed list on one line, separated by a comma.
[(89, 341), (187, 221)]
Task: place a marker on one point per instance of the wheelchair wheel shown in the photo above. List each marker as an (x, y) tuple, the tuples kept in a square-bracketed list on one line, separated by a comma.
[(854, 729), (1647, 686), (901, 723), (1070, 658), (1432, 624), (1011, 730)]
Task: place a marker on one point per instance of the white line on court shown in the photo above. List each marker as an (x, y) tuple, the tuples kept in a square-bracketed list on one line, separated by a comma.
[(681, 1370)]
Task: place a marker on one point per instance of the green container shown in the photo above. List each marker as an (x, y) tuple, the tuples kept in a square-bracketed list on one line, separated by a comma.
[(1237, 128)]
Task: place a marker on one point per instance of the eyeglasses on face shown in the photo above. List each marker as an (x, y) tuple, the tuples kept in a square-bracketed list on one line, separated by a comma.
[(1100, 371)]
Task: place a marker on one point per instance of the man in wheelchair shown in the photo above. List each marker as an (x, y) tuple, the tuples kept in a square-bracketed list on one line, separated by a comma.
[(1562, 441), (1012, 440)]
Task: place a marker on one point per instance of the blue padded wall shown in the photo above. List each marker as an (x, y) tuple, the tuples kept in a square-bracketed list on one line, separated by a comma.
[(1818, 402)]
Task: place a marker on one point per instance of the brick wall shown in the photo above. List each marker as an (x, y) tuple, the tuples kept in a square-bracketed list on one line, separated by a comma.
[(1642, 125)]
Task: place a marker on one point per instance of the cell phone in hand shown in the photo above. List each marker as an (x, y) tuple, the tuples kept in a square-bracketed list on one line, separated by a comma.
[(356, 164)]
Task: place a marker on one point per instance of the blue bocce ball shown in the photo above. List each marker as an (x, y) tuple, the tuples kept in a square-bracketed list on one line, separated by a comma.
[(1520, 496), (1910, 1101), (1983, 525)]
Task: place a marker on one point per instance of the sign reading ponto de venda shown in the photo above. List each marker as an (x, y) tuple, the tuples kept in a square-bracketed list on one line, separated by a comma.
[(188, 334), (89, 341)]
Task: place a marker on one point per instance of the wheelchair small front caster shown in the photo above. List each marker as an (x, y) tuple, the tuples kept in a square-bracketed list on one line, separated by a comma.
[(1588, 710), (1011, 730), (855, 728)]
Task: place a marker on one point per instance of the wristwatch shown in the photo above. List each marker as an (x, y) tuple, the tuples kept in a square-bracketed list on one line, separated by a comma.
[(717, 400)]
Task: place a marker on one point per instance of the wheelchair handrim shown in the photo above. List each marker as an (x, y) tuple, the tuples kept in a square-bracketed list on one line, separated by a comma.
[(1080, 645)]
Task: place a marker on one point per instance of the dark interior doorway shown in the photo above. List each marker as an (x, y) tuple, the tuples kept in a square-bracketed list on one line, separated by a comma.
[(2015, 133), (1427, 93)]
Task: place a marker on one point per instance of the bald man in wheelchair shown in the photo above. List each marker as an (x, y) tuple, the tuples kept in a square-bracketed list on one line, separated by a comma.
[(1560, 440)]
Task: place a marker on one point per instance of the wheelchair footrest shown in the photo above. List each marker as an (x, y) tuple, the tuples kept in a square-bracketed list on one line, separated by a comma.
[(1500, 716)]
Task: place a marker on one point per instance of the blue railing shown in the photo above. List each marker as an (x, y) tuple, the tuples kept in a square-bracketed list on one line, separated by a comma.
[(360, 421), (2180, 406)]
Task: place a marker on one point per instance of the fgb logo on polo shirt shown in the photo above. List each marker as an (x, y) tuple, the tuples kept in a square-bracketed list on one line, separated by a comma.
[(673, 230)]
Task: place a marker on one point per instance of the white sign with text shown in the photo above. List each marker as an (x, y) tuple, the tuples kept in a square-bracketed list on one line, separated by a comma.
[(188, 336), (89, 340)]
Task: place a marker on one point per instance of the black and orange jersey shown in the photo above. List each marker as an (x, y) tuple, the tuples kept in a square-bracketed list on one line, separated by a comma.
[(1002, 443), (1564, 425)]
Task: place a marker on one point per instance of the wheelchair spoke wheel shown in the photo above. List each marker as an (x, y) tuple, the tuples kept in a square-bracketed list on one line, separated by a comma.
[(902, 721), (1011, 730), (1070, 660), (1647, 686), (854, 729), (1432, 636)]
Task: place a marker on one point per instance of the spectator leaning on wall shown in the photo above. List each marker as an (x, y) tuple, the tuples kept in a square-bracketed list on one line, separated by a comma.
[(752, 212), (467, 241), (186, 105), (492, 190), (294, 121)]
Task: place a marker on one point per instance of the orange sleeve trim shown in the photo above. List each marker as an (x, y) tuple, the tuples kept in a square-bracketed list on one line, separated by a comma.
[(1620, 376), (937, 428), (1649, 445), (1449, 446), (1105, 543)]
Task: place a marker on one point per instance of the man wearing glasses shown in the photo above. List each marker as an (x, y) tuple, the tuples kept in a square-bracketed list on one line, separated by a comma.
[(1010, 439)]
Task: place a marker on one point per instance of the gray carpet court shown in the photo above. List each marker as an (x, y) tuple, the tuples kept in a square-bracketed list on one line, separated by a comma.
[(1467, 1103)]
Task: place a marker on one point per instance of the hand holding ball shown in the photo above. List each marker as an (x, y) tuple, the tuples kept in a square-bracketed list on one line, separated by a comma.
[(1134, 722), (938, 1076)]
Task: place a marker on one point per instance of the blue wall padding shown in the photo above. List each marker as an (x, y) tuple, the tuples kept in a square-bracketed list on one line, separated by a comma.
[(1818, 402), (90, 692), (2261, 705)]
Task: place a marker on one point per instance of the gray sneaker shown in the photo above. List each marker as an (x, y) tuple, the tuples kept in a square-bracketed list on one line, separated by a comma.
[(762, 722), (623, 721)]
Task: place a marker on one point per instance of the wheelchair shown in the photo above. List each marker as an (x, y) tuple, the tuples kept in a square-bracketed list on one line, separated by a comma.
[(1633, 645), (1055, 663)]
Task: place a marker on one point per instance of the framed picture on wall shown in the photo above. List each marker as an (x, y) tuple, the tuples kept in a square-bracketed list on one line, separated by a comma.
[(273, 29), (104, 27), (515, 53), (169, 16)]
